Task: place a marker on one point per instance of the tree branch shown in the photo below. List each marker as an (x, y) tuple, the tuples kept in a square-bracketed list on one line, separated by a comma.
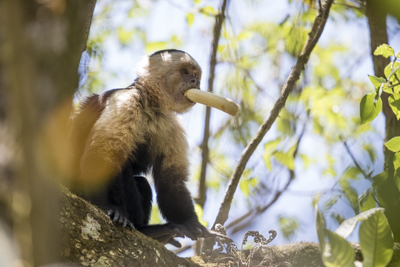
[(219, 19), (312, 40)]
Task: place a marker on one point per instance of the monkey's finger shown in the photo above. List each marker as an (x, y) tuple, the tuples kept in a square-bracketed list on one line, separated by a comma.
[(131, 225), (177, 233), (211, 100), (174, 243), (125, 222), (121, 219), (110, 212), (116, 216)]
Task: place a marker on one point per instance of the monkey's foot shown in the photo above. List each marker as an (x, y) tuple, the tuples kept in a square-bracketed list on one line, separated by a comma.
[(163, 233), (119, 217)]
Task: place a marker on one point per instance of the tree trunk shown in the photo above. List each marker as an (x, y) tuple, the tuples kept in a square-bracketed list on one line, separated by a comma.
[(388, 193), (40, 49)]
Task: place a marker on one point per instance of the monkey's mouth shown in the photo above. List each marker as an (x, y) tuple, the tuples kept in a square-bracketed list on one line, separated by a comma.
[(184, 93)]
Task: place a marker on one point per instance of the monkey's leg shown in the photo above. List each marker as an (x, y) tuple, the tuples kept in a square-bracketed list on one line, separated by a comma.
[(112, 199)]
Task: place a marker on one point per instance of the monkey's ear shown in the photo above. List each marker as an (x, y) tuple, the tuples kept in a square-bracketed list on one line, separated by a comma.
[(211, 100)]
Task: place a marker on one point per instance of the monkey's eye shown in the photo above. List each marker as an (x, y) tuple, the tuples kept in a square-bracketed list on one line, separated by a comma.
[(184, 71)]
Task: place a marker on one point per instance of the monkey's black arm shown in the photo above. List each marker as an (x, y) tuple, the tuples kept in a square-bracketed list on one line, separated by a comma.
[(175, 202)]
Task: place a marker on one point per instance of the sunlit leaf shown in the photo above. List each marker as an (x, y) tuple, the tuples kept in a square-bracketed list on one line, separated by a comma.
[(124, 36), (384, 50), (209, 10), (285, 159), (288, 226), (376, 240), (337, 252), (347, 227), (199, 212), (268, 148), (244, 186), (389, 72), (190, 19), (197, 1), (151, 47), (366, 201), (369, 111), (376, 81), (393, 144), (394, 102)]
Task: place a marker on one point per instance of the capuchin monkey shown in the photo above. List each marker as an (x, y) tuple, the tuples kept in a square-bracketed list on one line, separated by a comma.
[(123, 134)]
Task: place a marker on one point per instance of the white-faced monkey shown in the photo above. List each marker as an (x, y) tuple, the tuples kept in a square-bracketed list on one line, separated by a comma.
[(126, 133)]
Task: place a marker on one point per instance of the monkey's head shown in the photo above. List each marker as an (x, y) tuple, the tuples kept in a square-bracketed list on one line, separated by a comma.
[(173, 72)]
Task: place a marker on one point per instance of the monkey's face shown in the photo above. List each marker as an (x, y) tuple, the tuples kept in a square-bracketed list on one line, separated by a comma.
[(179, 72)]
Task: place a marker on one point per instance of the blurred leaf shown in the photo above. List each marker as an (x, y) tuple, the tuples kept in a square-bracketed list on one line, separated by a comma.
[(155, 46), (208, 10), (384, 50), (337, 252), (190, 19), (376, 240), (285, 159), (393, 144), (268, 148), (288, 226), (244, 186), (337, 217), (376, 81), (369, 111), (321, 228), (124, 36), (199, 212), (347, 227), (394, 102), (330, 202), (306, 160), (197, 1), (396, 163), (366, 201)]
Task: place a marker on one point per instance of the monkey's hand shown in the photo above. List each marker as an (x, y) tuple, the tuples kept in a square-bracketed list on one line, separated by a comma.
[(194, 229), (119, 217)]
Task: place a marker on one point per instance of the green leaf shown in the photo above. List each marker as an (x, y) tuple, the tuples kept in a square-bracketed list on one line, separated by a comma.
[(209, 10), (321, 228), (366, 201), (197, 1), (396, 164), (384, 50), (369, 111), (394, 102), (244, 186), (151, 47), (285, 159), (199, 212), (393, 144), (337, 252), (376, 81), (124, 36), (190, 19), (268, 148), (347, 227), (376, 240), (389, 73)]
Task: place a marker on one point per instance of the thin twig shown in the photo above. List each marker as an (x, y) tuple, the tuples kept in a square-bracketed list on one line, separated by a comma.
[(366, 175), (219, 19), (294, 76)]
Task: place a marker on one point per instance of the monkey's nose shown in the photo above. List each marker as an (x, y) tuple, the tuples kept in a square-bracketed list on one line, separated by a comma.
[(195, 81)]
